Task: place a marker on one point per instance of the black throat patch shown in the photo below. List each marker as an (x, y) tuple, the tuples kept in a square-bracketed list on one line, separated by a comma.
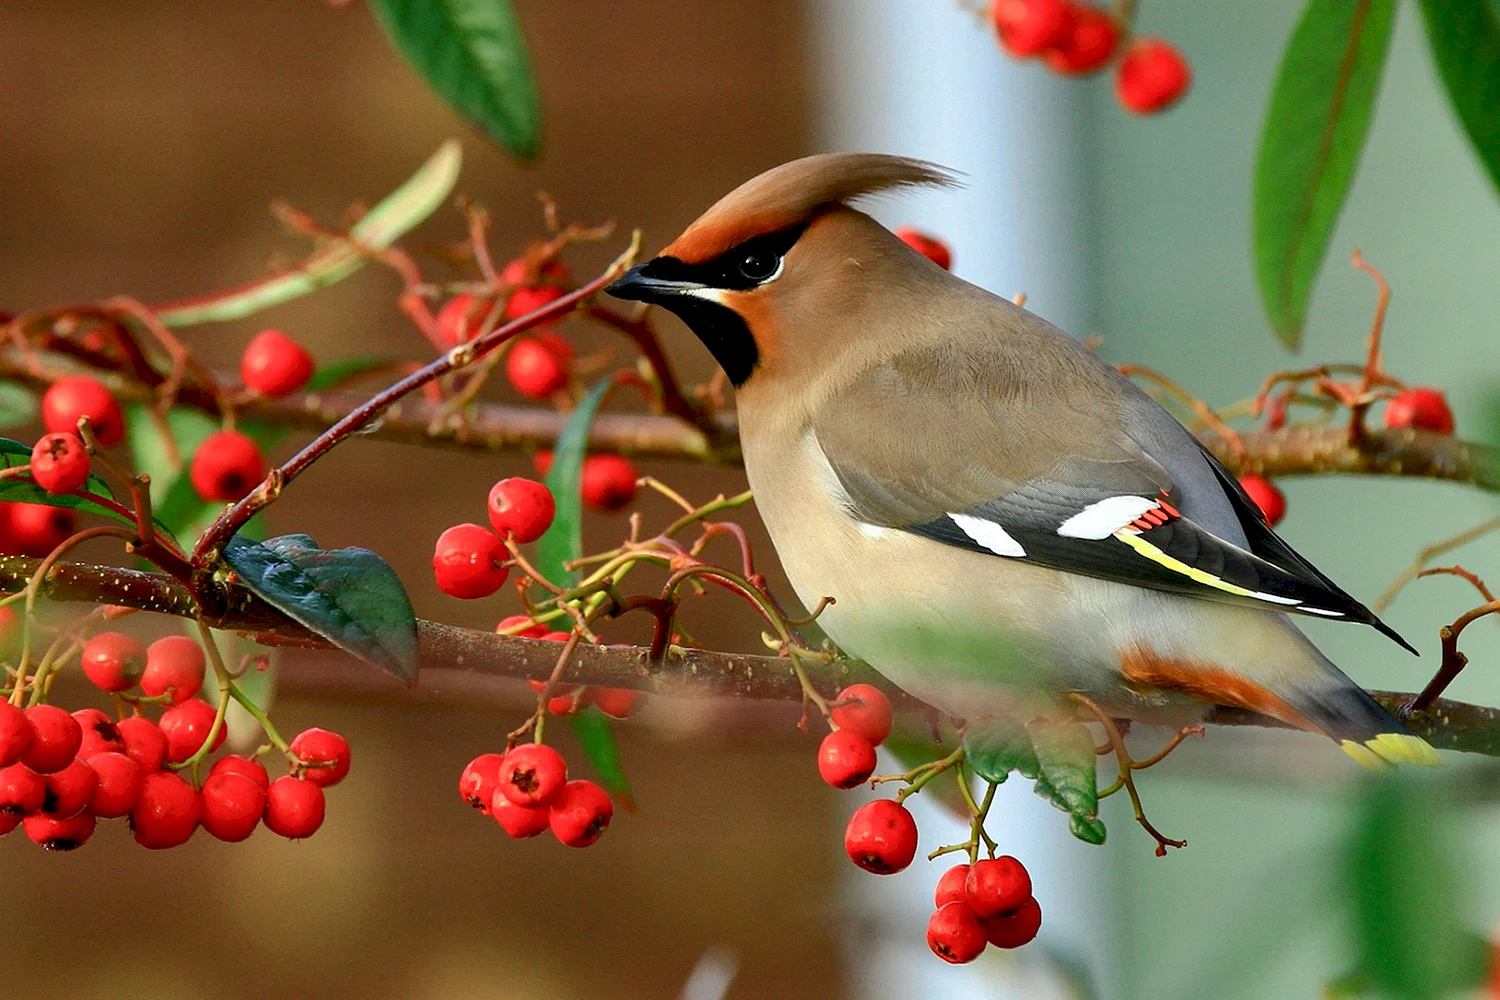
[(722, 331)]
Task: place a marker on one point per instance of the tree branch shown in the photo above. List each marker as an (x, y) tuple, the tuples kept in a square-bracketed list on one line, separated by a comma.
[(446, 650)]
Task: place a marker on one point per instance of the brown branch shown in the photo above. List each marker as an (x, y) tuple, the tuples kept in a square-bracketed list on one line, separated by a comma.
[(449, 652)]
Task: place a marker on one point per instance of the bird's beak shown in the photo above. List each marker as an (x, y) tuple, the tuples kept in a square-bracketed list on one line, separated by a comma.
[(639, 285)]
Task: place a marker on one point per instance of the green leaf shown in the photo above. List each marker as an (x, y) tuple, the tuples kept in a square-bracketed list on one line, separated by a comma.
[(337, 372), (17, 405), (911, 744), (351, 596), (1089, 829), (1465, 40), (1314, 133), (1407, 900), (383, 225), (14, 453), (473, 53), (1065, 752), (563, 541), (996, 745), (596, 735)]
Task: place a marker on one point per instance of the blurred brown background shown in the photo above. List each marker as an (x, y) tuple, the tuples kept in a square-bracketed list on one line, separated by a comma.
[(140, 145)]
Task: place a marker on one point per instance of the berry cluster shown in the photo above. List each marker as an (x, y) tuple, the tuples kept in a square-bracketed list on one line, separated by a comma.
[(1075, 39), (61, 773), (985, 901), (539, 364), (526, 790), (1421, 409)]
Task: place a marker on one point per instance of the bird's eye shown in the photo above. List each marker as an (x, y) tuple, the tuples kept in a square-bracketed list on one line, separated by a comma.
[(758, 265)]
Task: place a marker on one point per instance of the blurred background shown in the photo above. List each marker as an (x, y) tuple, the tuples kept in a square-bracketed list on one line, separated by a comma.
[(140, 145)]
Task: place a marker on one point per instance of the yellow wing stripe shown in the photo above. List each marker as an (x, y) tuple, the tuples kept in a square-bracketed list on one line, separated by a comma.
[(1204, 577), (1389, 749)]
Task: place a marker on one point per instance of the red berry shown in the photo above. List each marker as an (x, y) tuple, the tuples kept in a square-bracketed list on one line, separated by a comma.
[(881, 837), (522, 508), (187, 726), (845, 759), (580, 813), (67, 399), (226, 466), (22, 790), (1152, 76), (70, 790), (520, 271), (535, 369), (113, 661), (10, 629), (954, 933), (459, 320), (607, 482), (542, 462), (1087, 43), (33, 529), (1028, 27), (8, 823), (532, 630), (617, 703), (175, 665), (1012, 930), (1425, 409), (950, 887), (1267, 497), (167, 812), (235, 764), (530, 299), (996, 885), (469, 562), (100, 734), (533, 774), (54, 834), (481, 780), (144, 741), (930, 247), (59, 463), (564, 704), (868, 712), (552, 637), (274, 364), (15, 734), (119, 784), (232, 806), (55, 738), (294, 808), (324, 747), (519, 822)]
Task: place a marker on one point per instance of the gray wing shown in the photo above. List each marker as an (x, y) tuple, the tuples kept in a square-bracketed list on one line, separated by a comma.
[(1082, 473)]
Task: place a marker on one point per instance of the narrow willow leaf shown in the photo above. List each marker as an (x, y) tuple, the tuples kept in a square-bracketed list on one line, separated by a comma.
[(563, 541), (383, 225), (596, 735), (1314, 134), (1465, 40), (473, 53)]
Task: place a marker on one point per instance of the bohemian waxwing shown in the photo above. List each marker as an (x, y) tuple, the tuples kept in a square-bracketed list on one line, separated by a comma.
[(1000, 516)]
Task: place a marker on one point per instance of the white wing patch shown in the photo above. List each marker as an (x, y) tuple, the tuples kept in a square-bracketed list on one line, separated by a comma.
[(989, 535), (871, 531), (1103, 518), (1322, 611)]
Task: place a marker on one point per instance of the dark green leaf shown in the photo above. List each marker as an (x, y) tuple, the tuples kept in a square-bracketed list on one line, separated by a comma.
[(1310, 146), (1465, 40), (14, 453), (1065, 752), (995, 746), (351, 596), (1089, 829), (473, 53), (596, 735), (17, 405), (338, 372), (563, 541), (1407, 902)]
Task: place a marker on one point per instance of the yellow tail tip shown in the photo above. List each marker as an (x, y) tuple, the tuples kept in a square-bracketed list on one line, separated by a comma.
[(1388, 749)]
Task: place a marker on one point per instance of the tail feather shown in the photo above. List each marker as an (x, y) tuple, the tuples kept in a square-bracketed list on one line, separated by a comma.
[(1363, 728)]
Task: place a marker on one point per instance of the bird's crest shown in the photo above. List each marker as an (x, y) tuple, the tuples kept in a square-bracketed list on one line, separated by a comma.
[(794, 192)]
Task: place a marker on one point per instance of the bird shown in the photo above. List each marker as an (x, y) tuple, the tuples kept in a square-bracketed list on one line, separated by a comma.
[(1001, 519)]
